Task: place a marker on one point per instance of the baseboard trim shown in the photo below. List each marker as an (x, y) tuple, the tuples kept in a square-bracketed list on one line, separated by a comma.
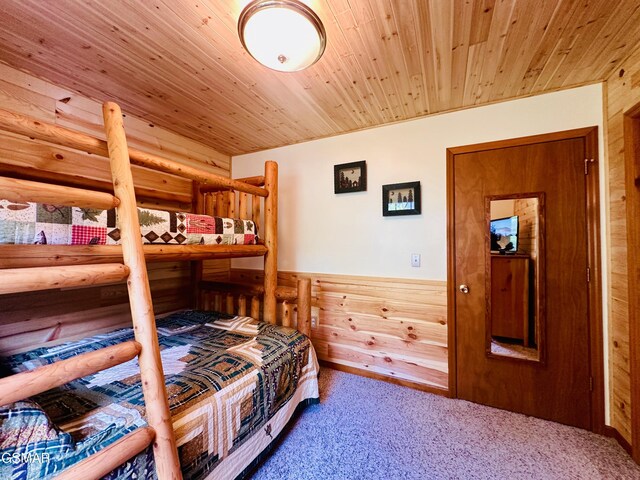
[(612, 432), (377, 376)]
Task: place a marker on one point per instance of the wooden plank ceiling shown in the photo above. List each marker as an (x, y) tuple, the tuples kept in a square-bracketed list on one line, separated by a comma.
[(180, 65)]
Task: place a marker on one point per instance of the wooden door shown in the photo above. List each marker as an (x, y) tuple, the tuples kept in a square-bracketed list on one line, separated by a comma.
[(558, 387)]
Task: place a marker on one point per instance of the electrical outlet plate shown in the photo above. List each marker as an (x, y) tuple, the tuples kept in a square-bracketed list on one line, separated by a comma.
[(315, 315), (415, 259)]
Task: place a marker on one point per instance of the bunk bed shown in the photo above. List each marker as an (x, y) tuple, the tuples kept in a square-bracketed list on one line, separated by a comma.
[(209, 389)]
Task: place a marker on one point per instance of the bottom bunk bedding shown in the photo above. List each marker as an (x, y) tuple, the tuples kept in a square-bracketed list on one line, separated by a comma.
[(233, 383)]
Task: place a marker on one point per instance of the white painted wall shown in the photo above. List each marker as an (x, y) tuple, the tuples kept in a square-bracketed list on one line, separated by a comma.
[(322, 232), (346, 234)]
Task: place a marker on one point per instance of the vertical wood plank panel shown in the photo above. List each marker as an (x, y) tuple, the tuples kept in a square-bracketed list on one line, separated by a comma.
[(622, 94)]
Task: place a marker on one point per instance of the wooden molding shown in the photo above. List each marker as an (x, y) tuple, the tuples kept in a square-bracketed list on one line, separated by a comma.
[(611, 432), (632, 189), (529, 140), (590, 136), (451, 275), (396, 381)]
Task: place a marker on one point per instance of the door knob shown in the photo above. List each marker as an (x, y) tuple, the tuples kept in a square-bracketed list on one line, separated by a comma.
[(464, 288)]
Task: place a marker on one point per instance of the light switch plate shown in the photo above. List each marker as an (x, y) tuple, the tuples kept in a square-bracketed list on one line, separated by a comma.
[(415, 259)]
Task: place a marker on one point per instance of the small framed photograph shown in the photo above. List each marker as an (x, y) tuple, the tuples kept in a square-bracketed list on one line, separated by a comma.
[(401, 199), (350, 177)]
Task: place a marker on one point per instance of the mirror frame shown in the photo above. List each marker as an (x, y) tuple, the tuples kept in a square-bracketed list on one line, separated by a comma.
[(539, 279)]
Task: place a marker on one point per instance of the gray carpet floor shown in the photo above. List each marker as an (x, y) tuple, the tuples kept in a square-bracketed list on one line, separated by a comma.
[(368, 429)]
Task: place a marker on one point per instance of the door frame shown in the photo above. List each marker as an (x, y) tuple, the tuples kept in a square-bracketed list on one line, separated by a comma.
[(632, 171), (589, 135)]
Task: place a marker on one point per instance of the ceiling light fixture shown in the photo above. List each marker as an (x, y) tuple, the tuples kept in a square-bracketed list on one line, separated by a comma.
[(284, 35)]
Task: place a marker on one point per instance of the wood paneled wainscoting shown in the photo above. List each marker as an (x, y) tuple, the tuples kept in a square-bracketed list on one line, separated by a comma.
[(622, 94), (393, 329)]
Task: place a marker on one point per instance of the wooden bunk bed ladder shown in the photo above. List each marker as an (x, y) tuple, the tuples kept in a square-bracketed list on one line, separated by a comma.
[(144, 326)]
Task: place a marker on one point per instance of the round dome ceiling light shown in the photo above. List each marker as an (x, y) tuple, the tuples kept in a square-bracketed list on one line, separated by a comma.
[(284, 35)]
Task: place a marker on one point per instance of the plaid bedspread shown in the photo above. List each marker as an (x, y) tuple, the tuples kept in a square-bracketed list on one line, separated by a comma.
[(230, 383), (29, 223)]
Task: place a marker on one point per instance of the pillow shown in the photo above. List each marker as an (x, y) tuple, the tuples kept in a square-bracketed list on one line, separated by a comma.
[(26, 423)]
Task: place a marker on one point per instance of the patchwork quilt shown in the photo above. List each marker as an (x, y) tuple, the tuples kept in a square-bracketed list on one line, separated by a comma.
[(30, 223), (233, 383)]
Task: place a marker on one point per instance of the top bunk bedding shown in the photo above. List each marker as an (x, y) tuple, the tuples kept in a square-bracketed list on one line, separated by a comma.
[(37, 223), (232, 382)]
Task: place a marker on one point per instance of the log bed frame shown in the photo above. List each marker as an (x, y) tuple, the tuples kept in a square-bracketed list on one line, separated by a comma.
[(41, 267)]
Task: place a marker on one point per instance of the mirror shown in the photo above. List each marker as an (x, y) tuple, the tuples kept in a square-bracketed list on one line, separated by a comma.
[(515, 276)]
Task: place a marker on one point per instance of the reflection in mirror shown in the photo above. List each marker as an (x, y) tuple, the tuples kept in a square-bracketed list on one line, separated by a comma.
[(515, 246)]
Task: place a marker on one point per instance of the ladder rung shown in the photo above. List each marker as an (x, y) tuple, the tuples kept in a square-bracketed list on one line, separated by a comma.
[(16, 280), (26, 384), (27, 191), (101, 463)]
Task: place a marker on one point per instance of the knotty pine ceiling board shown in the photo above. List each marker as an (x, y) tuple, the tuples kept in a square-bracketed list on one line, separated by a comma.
[(180, 64)]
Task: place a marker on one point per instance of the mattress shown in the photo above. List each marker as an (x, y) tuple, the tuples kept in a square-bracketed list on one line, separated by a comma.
[(233, 383), (31, 223)]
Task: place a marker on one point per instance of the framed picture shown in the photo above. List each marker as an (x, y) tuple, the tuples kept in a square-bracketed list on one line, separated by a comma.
[(350, 177), (401, 199)]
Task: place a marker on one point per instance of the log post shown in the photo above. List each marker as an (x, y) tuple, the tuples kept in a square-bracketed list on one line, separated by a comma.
[(287, 313), (144, 326), (230, 304), (271, 242), (242, 305), (255, 212), (231, 206), (304, 306), (197, 206), (225, 205), (242, 206), (209, 207), (255, 308), (220, 206)]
